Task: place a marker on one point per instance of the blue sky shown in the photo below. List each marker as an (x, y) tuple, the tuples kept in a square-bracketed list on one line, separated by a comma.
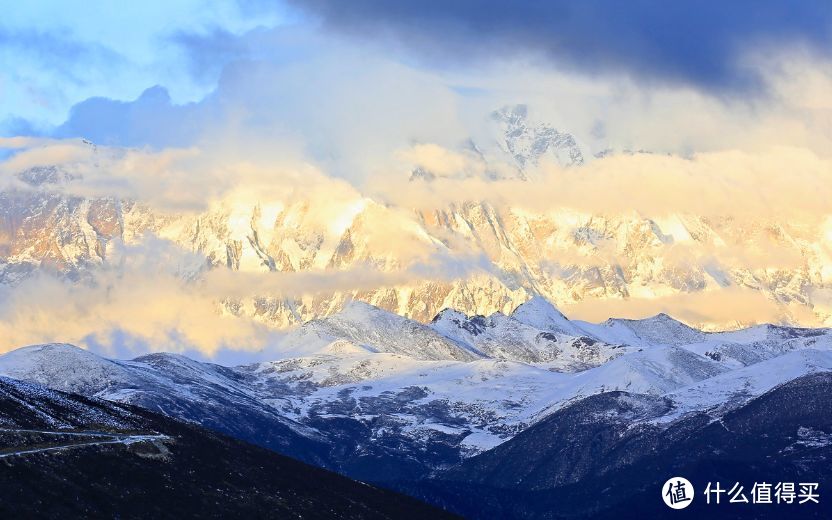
[(56, 53)]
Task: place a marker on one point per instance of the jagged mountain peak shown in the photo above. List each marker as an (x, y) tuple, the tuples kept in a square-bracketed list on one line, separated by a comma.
[(660, 319), (64, 366), (449, 319), (539, 312), (528, 141), (448, 313), (654, 330), (538, 302), (356, 313), (504, 337), (664, 317), (374, 329)]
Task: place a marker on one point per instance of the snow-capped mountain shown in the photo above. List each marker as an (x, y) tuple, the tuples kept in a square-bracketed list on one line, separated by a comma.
[(564, 256), (504, 337), (66, 455), (660, 329), (29, 406), (380, 397), (541, 314), (375, 330), (607, 456), (529, 142), (211, 395), (732, 388), (528, 254)]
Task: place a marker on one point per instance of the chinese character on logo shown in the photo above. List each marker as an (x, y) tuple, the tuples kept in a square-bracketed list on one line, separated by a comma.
[(737, 496), (784, 491), (761, 493), (716, 491), (677, 493), (808, 492)]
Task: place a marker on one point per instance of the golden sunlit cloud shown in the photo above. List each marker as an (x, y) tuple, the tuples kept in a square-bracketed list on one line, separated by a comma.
[(731, 215)]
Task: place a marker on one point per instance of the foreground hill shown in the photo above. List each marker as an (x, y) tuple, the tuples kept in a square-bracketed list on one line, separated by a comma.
[(608, 455), (211, 395), (67, 456)]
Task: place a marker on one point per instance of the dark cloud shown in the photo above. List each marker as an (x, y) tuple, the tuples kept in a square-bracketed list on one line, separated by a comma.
[(150, 120), (335, 108), (697, 42)]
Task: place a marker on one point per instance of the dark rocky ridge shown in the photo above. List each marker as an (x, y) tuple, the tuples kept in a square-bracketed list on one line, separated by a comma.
[(602, 458), (191, 473)]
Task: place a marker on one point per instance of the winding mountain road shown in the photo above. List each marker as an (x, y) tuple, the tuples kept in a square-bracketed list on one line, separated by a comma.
[(106, 438)]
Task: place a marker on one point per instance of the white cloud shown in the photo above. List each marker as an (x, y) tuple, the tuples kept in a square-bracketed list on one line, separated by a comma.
[(157, 294)]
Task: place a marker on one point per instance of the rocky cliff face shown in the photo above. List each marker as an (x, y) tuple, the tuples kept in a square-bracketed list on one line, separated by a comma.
[(565, 257)]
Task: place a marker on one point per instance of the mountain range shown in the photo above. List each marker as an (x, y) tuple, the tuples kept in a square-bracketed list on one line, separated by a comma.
[(507, 254), (521, 406), (433, 362)]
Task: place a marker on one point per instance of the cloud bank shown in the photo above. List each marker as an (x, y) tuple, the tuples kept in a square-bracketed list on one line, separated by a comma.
[(155, 295), (779, 183)]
